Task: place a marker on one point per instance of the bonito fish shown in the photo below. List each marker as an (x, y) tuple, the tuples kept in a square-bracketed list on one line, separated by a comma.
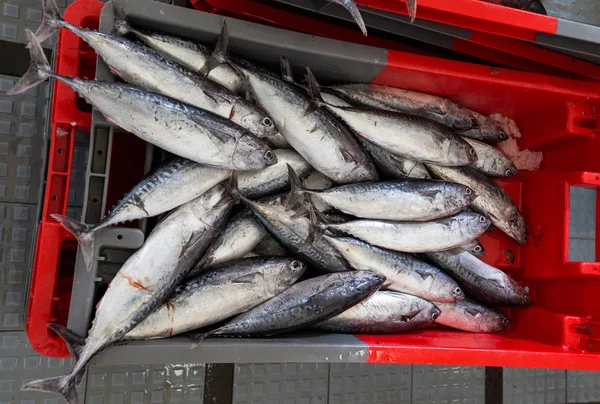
[(468, 315)]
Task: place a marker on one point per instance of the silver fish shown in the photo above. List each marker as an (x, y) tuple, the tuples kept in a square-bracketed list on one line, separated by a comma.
[(189, 54), (401, 200), (436, 235), (269, 247), (403, 272), (468, 315), (181, 129), (485, 283), (491, 200), (488, 130), (219, 294), (256, 184), (391, 165), (474, 247), (145, 281), (171, 185), (429, 106), (141, 66), (492, 161), (410, 136), (303, 304), (319, 137), (383, 313)]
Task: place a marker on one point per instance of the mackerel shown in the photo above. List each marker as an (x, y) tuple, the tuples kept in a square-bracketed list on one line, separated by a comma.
[(491, 161), (391, 165), (403, 272), (413, 237), (144, 281), (474, 247), (468, 315), (383, 313), (485, 283), (219, 294), (181, 129), (488, 130)]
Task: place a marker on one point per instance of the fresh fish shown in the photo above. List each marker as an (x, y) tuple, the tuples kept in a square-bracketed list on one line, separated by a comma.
[(485, 283), (401, 200), (403, 134), (491, 200), (171, 185), (412, 237), (295, 231), (468, 315), (189, 54), (145, 281), (429, 106), (383, 313), (303, 304), (189, 132), (491, 161), (488, 130), (319, 137), (141, 66), (256, 184), (391, 165), (474, 247), (403, 272), (269, 247), (219, 294)]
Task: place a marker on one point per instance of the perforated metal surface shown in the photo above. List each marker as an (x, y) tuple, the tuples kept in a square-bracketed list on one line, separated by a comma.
[(524, 386), (448, 384), (583, 387), (370, 384), (287, 383)]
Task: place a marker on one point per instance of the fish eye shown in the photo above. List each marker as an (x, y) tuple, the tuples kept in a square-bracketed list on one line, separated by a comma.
[(468, 191), (506, 320), (473, 122), (267, 122), (269, 155), (502, 134), (477, 248), (296, 264), (472, 151), (457, 291), (482, 219), (435, 315), (510, 172)]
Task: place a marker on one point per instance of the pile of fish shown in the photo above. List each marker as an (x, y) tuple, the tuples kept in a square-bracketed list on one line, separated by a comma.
[(350, 208)]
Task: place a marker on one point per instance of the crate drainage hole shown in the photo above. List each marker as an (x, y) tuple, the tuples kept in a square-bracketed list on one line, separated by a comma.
[(60, 151), (582, 224), (99, 152), (55, 197), (119, 237), (95, 200)]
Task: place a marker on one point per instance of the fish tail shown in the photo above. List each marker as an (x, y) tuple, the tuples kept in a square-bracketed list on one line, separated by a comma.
[(317, 229), (52, 20), (85, 236), (296, 189), (411, 5), (64, 385), (120, 25), (286, 70), (219, 55), (316, 101), (75, 343), (352, 8), (197, 339), (39, 68)]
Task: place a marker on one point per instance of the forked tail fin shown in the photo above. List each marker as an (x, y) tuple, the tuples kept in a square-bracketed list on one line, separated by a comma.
[(52, 20), (85, 236), (39, 68)]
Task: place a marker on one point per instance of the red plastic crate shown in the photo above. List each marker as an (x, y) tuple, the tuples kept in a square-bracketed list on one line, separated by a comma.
[(556, 116)]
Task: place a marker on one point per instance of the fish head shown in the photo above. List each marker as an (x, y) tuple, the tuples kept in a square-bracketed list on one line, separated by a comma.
[(517, 228), (461, 152), (516, 294), (282, 272), (253, 119), (252, 153), (367, 282), (492, 320), (475, 223), (460, 118), (457, 196)]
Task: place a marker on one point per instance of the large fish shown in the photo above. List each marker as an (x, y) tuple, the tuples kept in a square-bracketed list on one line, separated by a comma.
[(141, 66), (303, 304), (429, 106), (390, 165), (383, 313), (171, 185), (219, 294), (485, 283), (402, 200), (319, 137), (491, 200), (410, 136), (468, 315), (436, 235), (144, 281), (181, 129), (491, 161), (403, 272)]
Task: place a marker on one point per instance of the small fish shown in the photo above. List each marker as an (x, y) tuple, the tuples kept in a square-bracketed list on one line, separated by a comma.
[(485, 283), (468, 315), (302, 305), (174, 183), (491, 200), (219, 294), (391, 165), (428, 106), (272, 179), (436, 235), (402, 200), (144, 281), (474, 247), (487, 130), (383, 313), (403, 272), (406, 135), (492, 161), (181, 129)]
